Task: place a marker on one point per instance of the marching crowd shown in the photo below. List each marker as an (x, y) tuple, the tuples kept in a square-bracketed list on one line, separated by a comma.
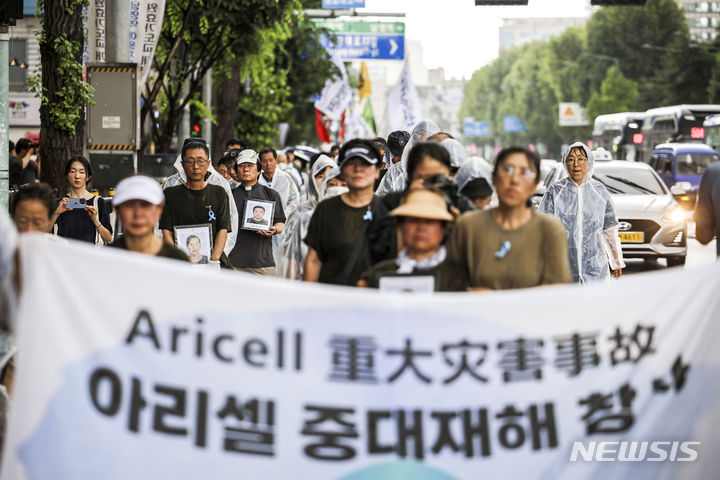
[(371, 213), (364, 214)]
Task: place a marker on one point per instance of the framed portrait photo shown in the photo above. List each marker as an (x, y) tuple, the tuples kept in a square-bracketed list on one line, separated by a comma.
[(258, 215), (196, 241)]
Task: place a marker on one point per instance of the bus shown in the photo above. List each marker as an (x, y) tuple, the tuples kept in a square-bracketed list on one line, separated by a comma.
[(620, 133), (712, 131), (678, 123)]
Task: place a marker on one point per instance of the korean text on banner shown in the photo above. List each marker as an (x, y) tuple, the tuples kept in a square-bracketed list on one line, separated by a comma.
[(404, 109), (145, 24), (94, 25), (144, 34), (157, 378)]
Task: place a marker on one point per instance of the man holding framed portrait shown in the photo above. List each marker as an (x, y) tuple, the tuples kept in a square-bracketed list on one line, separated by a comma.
[(263, 217), (196, 203)]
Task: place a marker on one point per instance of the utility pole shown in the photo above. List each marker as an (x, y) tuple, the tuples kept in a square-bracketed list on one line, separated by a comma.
[(117, 34), (4, 121), (183, 129), (206, 124)]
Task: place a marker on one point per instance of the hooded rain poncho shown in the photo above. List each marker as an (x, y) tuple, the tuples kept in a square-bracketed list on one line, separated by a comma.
[(475, 167), (283, 183), (395, 180), (588, 214), (293, 250), (215, 179), (322, 162), (458, 155)]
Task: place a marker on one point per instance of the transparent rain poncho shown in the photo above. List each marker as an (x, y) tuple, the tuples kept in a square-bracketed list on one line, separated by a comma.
[(458, 154), (322, 162), (588, 214), (283, 183), (395, 180), (293, 251), (214, 179), (475, 167)]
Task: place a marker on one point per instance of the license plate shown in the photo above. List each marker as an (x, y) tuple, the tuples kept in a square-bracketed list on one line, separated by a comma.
[(632, 237)]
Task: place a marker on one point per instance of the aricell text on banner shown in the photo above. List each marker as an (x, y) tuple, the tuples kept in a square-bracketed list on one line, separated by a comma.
[(148, 379)]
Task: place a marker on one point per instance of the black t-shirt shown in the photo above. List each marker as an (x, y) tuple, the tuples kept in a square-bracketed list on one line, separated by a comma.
[(707, 210), (253, 250), (333, 232), (78, 225), (21, 176), (167, 250), (195, 207)]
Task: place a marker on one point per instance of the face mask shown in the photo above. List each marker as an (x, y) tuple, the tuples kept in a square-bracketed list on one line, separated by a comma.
[(283, 166), (335, 191)]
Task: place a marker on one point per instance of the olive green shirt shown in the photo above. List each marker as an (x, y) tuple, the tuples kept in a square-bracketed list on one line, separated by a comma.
[(538, 253)]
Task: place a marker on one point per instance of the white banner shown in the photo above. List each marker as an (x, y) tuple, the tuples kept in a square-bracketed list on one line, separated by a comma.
[(147, 368), (404, 109), (144, 35), (336, 95), (94, 27), (356, 126), (145, 22)]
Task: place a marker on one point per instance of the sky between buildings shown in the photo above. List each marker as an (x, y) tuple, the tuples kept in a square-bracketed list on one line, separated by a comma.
[(460, 37)]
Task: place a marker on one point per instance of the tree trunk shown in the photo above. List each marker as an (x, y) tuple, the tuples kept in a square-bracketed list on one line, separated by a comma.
[(226, 101), (57, 145), (165, 139)]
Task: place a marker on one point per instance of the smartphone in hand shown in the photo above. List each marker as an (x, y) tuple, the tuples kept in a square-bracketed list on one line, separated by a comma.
[(76, 203)]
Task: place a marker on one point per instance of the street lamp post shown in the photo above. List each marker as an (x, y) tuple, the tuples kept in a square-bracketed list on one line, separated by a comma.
[(606, 57)]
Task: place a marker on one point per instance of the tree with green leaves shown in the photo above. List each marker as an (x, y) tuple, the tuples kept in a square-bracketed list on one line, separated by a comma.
[(658, 65), (617, 94), (639, 37), (274, 85), (61, 87), (198, 35)]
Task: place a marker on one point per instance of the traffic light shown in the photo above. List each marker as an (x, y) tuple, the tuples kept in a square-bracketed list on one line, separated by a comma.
[(498, 3), (195, 120), (617, 3)]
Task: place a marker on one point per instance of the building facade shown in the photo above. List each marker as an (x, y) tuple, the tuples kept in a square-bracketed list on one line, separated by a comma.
[(703, 18), (515, 32)]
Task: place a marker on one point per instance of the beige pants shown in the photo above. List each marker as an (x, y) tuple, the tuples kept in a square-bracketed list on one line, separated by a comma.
[(267, 271)]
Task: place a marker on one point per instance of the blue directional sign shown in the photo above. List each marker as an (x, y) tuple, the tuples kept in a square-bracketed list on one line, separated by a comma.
[(473, 128), (343, 4), (512, 124), (366, 46), (363, 40)]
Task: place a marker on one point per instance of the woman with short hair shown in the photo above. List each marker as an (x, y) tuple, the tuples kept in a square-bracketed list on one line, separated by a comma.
[(511, 245), (32, 207), (336, 234)]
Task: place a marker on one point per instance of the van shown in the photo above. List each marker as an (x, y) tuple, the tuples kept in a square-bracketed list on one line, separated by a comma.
[(681, 166)]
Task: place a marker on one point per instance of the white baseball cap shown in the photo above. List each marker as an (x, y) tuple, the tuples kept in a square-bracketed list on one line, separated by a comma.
[(138, 187), (247, 156)]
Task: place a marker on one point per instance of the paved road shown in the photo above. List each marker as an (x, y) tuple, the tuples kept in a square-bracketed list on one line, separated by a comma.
[(697, 255)]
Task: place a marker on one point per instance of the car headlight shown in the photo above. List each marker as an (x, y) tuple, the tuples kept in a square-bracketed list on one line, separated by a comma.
[(675, 214)]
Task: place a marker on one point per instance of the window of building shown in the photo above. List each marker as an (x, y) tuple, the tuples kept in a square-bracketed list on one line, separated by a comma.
[(18, 75)]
